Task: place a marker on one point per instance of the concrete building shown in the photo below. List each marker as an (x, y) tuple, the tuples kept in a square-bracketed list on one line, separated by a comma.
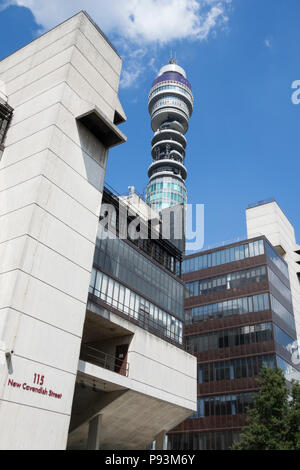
[(170, 106), (62, 89)]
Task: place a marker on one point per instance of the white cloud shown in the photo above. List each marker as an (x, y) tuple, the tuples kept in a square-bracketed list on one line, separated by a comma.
[(268, 42), (137, 24), (133, 68), (144, 21)]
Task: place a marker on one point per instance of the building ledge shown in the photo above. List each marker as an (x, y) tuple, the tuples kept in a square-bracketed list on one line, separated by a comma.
[(280, 250), (120, 115), (99, 125)]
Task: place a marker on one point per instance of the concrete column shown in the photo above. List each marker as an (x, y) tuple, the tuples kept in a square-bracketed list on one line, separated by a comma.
[(160, 441), (94, 433), (51, 181)]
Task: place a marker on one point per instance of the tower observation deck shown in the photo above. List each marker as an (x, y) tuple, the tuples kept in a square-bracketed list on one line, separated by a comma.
[(170, 107)]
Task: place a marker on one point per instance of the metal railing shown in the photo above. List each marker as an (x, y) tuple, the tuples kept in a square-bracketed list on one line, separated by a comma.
[(221, 244), (99, 358), (138, 317), (225, 243)]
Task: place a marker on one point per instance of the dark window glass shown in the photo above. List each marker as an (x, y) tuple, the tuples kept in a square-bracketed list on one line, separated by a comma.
[(227, 255), (280, 286), (229, 307), (277, 260), (220, 440), (231, 337), (283, 338), (224, 405), (131, 267), (231, 281), (290, 372)]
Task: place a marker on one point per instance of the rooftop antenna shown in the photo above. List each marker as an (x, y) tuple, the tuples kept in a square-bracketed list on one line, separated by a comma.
[(172, 60)]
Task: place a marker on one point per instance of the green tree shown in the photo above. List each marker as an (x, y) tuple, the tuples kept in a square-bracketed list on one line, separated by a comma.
[(294, 417), (274, 421)]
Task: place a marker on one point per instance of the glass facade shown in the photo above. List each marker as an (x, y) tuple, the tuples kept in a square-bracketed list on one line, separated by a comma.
[(222, 405), (283, 338), (226, 282), (165, 191), (235, 397), (282, 312), (219, 440), (234, 369), (280, 286), (171, 101), (228, 308), (124, 262), (145, 314), (226, 255), (171, 87), (277, 260), (166, 188), (290, 372), (232, 337)]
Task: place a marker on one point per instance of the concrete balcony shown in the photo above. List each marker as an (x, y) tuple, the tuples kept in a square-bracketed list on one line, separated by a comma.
[(168, 113), (169, 134), (174, 146), (93, 355), (171, 92), (173, 164)]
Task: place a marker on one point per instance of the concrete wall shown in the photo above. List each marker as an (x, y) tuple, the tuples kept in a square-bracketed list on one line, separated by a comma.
[(159, 392), (51, 181), (269, 220), (158, 368)]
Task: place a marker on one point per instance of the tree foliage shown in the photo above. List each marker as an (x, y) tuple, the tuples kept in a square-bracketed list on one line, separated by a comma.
[(274, 421)]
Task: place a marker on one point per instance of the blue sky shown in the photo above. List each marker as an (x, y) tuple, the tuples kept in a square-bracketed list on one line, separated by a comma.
[(241, 57)]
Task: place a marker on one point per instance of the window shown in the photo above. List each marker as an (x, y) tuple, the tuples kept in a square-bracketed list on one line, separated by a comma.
[(229, 281), (279, 286), (230, 338), (227, 255), (283, 339), (224, 405), (136, 307), (124, 262), (227, 308), (290, 372), (277, 260), (220, 440), (282, 312)]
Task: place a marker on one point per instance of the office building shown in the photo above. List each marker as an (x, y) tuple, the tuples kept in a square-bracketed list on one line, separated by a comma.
[(239, 316)]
